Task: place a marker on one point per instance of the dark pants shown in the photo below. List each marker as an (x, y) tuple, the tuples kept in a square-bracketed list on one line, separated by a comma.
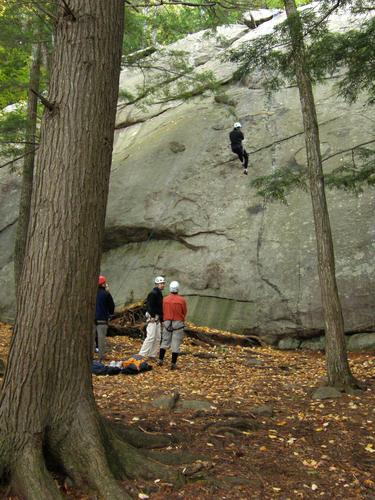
[(242, 154)]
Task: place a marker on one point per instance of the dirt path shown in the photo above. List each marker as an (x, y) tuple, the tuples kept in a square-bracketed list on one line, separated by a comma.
[(306, 449)]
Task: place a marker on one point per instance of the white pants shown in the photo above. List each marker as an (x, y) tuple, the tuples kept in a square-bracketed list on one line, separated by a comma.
[(151, 344)]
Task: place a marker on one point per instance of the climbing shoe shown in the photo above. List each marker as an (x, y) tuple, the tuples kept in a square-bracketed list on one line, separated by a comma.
[(245, 171)]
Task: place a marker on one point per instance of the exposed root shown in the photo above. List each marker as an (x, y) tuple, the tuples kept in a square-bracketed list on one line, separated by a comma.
[(85, 454), (350, 385), (140, 439), (168, 458), (30, 477), (234, 423), (94, 455), (134, 464)]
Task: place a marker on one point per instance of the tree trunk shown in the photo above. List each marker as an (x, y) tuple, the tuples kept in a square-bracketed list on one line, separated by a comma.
[(47, 409), (28, 164), (339, 374)]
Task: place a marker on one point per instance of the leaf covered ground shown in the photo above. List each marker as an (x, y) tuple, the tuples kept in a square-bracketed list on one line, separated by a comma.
[(306, 449)]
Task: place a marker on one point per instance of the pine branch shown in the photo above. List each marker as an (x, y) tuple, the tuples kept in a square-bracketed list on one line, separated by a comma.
[(45, 11), (179, 2), (10, 162), (215, 3), (20, 142), (349, 149), (323, 18)]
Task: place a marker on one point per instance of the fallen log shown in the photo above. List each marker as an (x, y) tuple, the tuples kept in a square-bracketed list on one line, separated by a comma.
[(129, 320), (217, 337), (133, 331)]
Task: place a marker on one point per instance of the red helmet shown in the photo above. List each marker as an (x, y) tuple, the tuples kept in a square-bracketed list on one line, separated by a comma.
[(102, 280)]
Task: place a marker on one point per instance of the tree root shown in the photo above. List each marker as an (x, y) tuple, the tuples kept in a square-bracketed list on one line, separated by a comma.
[(85, 455), (225, 429), (242, 424), (350, 385), (140, 439), (31, 479), (133, 464), (92, 453), (179, 458)]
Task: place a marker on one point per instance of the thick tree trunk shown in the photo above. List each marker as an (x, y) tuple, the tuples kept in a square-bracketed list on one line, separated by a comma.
[(47, 408), (28, 164), (338, 370)]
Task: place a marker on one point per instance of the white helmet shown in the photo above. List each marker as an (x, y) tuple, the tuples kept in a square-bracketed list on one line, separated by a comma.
[(159, 279), (237, 125), (174, 286)]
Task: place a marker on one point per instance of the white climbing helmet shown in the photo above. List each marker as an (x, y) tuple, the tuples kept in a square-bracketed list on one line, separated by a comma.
[(174, 286), (237, 125), (159, 279)]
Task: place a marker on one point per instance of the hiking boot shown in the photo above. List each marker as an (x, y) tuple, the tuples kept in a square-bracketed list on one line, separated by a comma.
[(245, 171), (160, 362), (173, 366)]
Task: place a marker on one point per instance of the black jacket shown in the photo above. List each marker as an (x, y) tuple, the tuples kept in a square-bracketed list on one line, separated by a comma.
[(155, 303), (236, 137), (105, 306)]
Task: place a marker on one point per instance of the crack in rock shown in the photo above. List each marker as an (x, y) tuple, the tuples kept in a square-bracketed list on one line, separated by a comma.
[(117, 236)]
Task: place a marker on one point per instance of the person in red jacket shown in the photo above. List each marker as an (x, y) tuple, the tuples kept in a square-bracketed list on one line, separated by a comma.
[(174, 314)]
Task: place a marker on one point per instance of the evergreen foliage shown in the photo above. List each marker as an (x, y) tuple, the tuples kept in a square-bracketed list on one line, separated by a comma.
[(168, 78), (168, 23), (350, 56), (20, 27)]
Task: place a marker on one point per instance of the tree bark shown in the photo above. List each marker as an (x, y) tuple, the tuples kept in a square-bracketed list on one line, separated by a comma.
[(28, 164), (47, 407), (338, 370)]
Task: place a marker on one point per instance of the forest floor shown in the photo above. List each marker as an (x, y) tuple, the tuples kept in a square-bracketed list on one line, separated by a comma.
[(305, 449)]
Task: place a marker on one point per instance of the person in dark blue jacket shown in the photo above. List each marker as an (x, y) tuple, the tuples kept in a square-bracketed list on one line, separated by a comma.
[(105, 307)]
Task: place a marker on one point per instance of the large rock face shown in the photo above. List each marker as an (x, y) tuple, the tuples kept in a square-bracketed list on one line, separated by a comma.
[(179, 204)]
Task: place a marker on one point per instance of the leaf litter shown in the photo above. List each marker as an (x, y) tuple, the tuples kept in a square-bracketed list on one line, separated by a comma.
[(306, 449)]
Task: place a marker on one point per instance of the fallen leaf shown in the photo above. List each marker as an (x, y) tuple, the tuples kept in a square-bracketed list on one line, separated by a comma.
[(310, 463), (369, 484)]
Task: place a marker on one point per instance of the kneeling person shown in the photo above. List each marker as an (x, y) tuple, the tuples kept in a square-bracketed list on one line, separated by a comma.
[(174, 314)]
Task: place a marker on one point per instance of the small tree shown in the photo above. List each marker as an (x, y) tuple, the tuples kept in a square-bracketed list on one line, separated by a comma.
[(339, 374), (292, 62), (28, 162)]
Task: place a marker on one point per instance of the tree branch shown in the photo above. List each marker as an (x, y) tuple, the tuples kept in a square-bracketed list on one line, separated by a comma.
[(43, 100), (322, 19), (178, 2), (29, 143), (18, 158), (349, 149), (45, 11), (68, 10)]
